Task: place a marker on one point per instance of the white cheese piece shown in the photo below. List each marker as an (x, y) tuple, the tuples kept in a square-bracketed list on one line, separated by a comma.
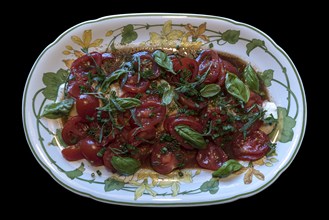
[(270, 108), (60, 93)]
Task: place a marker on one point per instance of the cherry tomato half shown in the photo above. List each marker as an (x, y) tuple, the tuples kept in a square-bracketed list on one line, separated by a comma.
[(163, 160), (216, 72), (141, 134), (72, 153), (85, 64), (89, 149), (253, 147), (212, 157), (150, 113), (74, 130), (144, 63), (189, 103), (174, 120), (186, 68), (86, 106), (132, 85)]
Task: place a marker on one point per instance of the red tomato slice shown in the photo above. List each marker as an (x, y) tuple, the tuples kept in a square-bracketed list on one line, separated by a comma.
[(229, 67), (253, 99), (253, 147), (186, 68), (107, 160), (189, 158), (212, 157), (207, 58), (171, 122), (75, 88), (163, 160), (132, 85), (89, 149), (105, 129), (141, 134), (143, 62), (189, 103), (86, 106), (85, 64), (72, 153), (143, 154), (74, 130), (150, 113)]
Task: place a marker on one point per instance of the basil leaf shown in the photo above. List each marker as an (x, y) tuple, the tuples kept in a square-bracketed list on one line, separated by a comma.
[(236, 87), (210, 90), (127, 103), (111, 78), (125, 165), (168, 93), (58, 109), (227, 169), (163, 60), (191, 136), (251, 78)]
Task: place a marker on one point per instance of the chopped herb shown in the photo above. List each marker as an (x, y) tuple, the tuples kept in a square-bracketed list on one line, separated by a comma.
[(101, 152), (166, 138), (270, 120), (164, 150)]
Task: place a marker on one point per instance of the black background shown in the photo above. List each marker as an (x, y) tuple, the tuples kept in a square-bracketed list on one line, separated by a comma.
[(39, 27)]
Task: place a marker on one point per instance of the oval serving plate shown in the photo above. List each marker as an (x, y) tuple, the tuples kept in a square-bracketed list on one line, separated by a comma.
[(147, 188)]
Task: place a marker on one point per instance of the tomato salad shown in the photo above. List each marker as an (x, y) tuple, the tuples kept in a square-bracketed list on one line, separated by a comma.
[(163, 111)]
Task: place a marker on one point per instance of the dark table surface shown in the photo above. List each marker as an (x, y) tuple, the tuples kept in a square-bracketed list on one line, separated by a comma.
[(36, 188)]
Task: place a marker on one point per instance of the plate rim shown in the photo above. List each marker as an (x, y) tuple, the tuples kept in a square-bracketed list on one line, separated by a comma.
[(175, 16)]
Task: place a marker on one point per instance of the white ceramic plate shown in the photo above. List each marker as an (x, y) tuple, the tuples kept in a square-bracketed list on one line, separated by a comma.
[(147, 188)]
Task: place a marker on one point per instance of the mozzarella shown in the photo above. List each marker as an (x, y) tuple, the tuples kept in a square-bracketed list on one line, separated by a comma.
[(60, 93), (270, 108)]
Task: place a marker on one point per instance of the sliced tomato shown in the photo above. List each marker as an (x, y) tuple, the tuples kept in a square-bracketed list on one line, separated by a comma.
[(150, 113), (125, 119), (229, 67), (210, 59), (189, 158), (89, 149), (134, 86), (86, 105), (163, 160), (253, 147), (102, 131), (171, 122), (145, 64), (143, 154), (72, 153), (212, 157), (186, 69), (74, 130), (254, 99), (189, 103), (107, 160), (76, 88), (141, 134), (85, 64), (110, 62)]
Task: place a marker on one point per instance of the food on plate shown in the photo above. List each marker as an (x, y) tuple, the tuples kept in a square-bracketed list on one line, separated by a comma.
[(164, 110)]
